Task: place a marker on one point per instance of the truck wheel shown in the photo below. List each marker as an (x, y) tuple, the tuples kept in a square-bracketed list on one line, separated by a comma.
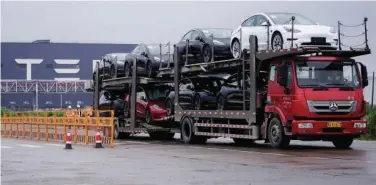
[(188, 135), (120, 135), (276, 135), (243, 142), (343, 143)]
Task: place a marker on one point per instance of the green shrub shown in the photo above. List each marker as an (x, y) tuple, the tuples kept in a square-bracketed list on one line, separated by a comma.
[(371, 119)]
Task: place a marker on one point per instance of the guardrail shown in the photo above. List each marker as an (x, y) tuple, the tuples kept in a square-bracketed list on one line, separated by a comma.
[(54, 126)]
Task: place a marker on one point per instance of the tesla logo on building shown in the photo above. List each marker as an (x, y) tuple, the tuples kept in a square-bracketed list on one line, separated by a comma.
[(59, 70), (67, 70), (333, 106), (28, 63)]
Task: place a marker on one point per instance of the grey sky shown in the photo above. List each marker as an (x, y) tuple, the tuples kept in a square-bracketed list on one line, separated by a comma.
[(155, 22)]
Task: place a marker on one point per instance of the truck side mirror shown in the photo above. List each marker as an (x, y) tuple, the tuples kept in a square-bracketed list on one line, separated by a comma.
[(282, 71), (364, 75)]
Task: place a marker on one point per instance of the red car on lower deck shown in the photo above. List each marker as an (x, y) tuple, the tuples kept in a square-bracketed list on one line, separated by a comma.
[(150, 104)]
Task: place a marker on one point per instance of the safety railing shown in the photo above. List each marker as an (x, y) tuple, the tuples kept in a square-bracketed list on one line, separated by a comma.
[(55, 125)]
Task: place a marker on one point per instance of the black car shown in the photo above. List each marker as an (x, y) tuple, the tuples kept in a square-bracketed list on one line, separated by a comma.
[(111, 101), (148, 59), (109, 63), (198, 93), (201, 41), (230, 96)]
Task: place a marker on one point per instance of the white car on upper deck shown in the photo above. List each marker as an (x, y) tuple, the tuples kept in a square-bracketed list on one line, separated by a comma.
[(307, 33)]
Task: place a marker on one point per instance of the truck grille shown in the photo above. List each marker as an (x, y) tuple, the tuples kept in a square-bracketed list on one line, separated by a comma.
[(332, 107)]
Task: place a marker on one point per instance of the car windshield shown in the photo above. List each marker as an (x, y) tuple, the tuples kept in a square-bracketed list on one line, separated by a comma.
[(217, 33), (285, 18), (157, 93), (155, 49), (327, 74), (211, 84)]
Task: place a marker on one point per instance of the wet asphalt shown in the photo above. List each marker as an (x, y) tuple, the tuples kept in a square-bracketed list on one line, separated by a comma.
[(141, 161)]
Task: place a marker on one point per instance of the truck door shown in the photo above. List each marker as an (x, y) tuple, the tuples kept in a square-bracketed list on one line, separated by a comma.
[(278, 95)]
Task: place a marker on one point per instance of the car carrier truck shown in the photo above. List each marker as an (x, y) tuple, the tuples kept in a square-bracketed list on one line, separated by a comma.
[(289, 94)]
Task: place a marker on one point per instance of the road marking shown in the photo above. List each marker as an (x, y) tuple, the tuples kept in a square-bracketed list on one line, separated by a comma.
[(2, 146), (30, 146)]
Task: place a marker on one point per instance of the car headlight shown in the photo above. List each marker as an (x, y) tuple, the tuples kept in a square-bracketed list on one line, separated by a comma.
[(360, 125), (157, 58), (216, 42), (289, 29), (305, 125), (157, 107), (332, 30)]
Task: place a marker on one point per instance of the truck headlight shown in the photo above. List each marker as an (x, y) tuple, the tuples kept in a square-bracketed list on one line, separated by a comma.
[(305, 125), (360, 125)]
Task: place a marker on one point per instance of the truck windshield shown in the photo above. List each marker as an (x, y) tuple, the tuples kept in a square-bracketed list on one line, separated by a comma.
[(327, 73)]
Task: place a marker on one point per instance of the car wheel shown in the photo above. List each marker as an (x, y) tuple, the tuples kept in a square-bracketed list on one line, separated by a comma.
[(149, 69), (197, 103), (276, 135), (206, 54), (127, 70), (277, 41), (169, 108), (148, 116), (235, 49)]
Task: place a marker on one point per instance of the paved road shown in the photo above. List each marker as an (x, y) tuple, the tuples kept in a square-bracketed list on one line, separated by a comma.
[(144, 162)]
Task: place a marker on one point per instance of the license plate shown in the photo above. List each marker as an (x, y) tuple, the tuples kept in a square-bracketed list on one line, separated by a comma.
[(334, 124), (318, 40)]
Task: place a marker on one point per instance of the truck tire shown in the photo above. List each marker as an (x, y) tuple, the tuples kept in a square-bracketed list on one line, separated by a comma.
[(120, 135), (276, 134), (188, 134), (343, 142)]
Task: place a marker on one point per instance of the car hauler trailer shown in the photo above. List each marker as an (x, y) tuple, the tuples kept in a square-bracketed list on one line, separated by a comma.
[(294, 103), (292, 110), (124, 126)]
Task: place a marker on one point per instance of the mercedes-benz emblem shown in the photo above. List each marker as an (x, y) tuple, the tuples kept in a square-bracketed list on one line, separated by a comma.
[(333, 106)]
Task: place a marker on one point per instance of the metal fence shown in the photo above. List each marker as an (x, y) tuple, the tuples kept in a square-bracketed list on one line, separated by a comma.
[(54, 126)]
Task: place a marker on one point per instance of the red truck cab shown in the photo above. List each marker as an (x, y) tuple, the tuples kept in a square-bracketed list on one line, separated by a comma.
[(315, 98)]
